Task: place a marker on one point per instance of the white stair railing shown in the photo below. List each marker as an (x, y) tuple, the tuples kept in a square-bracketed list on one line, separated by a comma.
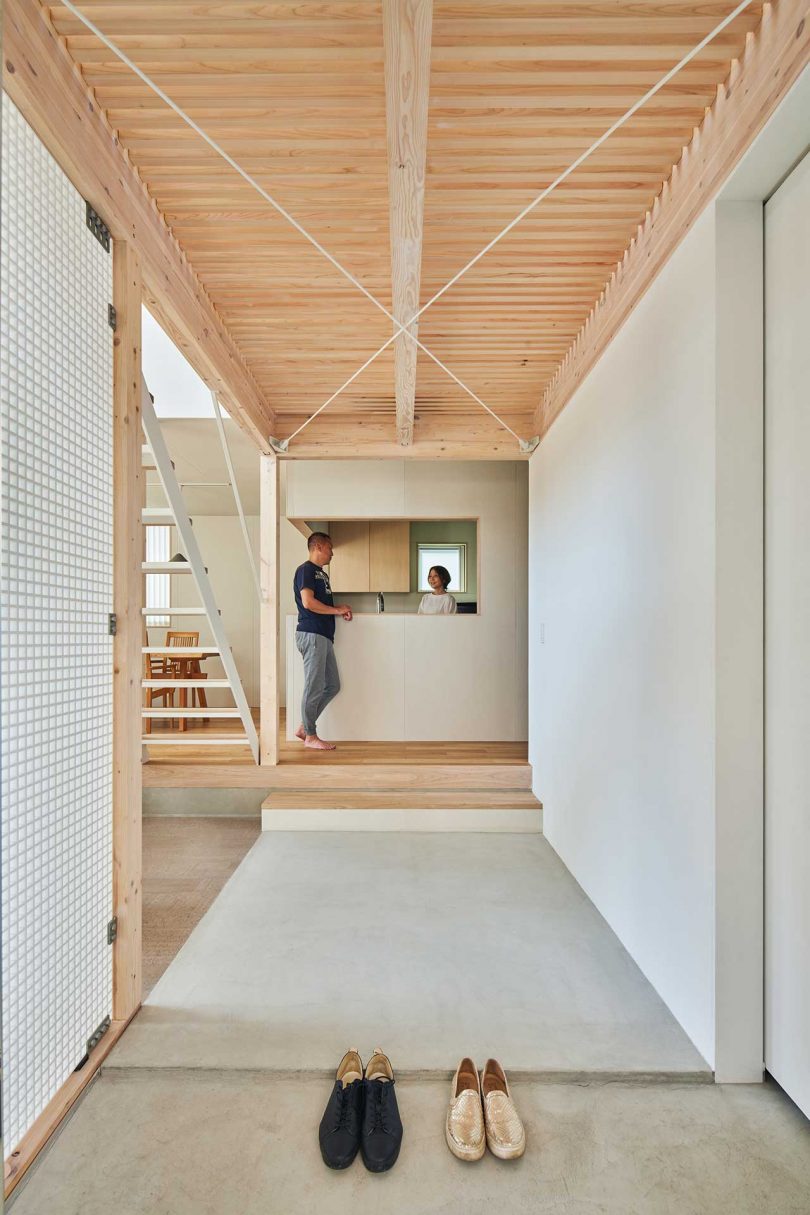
[(157, 456)]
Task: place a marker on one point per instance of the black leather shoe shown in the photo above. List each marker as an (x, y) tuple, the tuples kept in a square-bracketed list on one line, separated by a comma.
[(339, 1132), (382, 1125)]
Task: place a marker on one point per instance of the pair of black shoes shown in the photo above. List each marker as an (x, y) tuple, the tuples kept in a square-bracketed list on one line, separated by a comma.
[(362, 1115)]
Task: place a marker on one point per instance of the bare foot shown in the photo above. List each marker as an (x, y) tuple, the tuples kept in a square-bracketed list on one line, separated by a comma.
[(301, 733), (318, 744)]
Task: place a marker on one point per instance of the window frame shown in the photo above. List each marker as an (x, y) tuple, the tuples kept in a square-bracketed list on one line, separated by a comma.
[(434, 546), (158, 589)]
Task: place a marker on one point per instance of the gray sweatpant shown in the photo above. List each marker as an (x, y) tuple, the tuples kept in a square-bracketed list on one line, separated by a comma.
[(321, 679)]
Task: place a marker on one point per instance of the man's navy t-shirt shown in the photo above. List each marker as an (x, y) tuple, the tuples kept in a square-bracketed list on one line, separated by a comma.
[(312, 577)]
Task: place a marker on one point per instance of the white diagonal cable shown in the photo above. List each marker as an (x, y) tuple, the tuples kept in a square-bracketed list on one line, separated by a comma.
[(634, 108), (368, 363), (402, 328), (212, 143), (611, 130)]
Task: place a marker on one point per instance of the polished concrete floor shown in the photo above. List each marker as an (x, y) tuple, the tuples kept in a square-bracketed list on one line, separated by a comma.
[(430, 945), (157, 1142)]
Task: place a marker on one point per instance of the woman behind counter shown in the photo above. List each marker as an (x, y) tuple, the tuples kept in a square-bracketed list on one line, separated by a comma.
[(437, 602)]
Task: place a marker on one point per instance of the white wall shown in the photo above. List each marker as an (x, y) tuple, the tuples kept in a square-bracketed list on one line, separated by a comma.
[(787, 653), (495, 492), (621, 584), (646, 692)]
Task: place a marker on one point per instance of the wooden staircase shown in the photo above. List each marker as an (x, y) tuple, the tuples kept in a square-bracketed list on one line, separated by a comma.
[(155, 455)]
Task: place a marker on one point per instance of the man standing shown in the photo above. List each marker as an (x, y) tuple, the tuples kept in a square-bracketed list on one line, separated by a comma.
[(315, 638)]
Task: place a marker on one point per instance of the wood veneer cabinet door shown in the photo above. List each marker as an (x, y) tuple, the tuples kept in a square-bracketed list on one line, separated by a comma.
[(389, 555), (349, 568)]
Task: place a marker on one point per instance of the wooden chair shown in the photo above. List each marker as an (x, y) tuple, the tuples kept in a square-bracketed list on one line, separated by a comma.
[(157, 667), (187, 668)]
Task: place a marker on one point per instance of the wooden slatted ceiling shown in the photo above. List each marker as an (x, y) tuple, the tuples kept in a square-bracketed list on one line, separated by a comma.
[(517, 93), (296, 93)]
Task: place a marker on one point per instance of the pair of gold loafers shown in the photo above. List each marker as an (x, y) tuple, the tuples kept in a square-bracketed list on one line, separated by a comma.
[(482, 1114)]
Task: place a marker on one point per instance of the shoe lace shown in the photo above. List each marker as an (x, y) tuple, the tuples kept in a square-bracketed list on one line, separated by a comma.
[(379, 1107), (345, 1111)]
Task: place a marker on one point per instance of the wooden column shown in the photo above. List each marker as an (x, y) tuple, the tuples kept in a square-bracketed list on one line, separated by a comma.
[(407, 29), (270, 615), (127, 659)]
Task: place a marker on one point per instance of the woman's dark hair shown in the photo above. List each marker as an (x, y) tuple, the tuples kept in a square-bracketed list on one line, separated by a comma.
[(443, 573)]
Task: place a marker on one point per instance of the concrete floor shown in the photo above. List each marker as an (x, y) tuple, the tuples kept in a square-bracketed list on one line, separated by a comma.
[(152, 1142), (430, 945)]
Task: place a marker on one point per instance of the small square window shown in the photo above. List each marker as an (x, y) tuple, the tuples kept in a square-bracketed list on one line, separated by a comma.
[(454, 559)]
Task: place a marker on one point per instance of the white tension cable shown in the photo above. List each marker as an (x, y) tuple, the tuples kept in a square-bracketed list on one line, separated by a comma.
[(402, 328), (399, 328)]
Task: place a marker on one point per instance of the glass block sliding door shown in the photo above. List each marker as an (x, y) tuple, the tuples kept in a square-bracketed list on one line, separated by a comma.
[(57, 584)]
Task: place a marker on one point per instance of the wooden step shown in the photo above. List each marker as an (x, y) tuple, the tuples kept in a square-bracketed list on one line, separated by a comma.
[(400, 799), (499, 810), (208, 711), (389, 776), (194, 739), (157, 514)]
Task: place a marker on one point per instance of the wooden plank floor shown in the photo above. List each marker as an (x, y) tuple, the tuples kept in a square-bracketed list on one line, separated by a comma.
[(186, 764), (186, 862)]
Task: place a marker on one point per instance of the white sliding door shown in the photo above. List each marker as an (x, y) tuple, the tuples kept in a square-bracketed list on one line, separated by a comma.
[(787, 635), (57, 586)]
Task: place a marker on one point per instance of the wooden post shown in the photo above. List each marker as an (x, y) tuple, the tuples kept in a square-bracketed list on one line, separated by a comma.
[(127, 659), (270, 616), (407, 31)]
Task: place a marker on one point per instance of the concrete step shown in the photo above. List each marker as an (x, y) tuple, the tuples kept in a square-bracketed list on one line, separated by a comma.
[(401, 810)]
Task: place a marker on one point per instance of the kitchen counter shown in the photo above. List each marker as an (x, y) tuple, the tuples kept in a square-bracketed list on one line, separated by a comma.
[(415, 678)]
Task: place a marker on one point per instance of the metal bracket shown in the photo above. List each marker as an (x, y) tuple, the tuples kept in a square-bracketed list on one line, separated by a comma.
[(527, 446), (112, 930), (112, 624), (98, 1034), (279, 445), (112, 317), (98, 227)]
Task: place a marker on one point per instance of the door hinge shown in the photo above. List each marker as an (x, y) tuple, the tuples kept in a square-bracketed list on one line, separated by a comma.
[(98, 1034), (92, 1042), (112, 624), (112, 316), (98, 227), (112, 930)]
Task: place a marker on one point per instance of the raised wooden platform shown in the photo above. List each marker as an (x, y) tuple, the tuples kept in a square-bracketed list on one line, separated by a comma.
[(393, 766)]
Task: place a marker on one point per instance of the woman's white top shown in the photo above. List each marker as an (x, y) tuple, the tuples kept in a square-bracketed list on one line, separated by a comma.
[(437, 605)]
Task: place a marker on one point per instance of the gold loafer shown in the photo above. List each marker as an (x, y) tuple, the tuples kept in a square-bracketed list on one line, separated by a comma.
[(506, 1137), (464, 1127)]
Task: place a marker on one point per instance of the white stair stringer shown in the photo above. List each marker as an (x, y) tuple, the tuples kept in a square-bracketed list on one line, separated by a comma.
[(188, 540)]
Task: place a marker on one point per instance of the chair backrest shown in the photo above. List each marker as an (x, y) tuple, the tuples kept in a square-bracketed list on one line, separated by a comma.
[(178, 637), (155, 667)]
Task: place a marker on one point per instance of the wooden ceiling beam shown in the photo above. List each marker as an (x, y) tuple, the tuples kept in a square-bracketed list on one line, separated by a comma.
[(47, 88), (407, 26), (773, 58)]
